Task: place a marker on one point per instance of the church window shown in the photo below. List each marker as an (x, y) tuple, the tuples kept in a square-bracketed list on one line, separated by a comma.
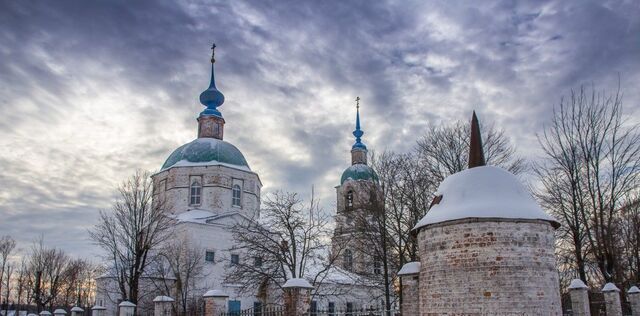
[(237, 193), (377, 265), (347, 260), (332, 308), (209, 256), (350, 200), (195, 191), (235, 259)]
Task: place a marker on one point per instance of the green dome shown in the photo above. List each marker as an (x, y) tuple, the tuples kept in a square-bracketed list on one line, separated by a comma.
[(206, 151), (359, 172)]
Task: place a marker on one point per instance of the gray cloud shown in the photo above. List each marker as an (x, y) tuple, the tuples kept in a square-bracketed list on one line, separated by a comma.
[(90, 91)]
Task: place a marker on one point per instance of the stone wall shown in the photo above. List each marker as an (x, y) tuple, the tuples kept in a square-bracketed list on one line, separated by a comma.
[(217, 181), (490, 267)]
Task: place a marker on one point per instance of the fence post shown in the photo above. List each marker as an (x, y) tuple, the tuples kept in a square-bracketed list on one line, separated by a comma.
[(612, 299), (77, 311), (98, 310), (410, 274), (634, 300), (215, 302), (127, 308), (45, 313), (579, 293), (162, 306), (297, 295), (59, 312)]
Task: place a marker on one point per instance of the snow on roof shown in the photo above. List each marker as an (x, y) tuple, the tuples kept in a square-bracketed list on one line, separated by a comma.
[(42, 313), (59, 311), (610, 287), (98, 308), (77, 309), (297, 283), (410, 268), (187, 163), (127, 304), (195, 215), (577, 284), (634, 289), (483, 192), (163, 298), (215, 293)]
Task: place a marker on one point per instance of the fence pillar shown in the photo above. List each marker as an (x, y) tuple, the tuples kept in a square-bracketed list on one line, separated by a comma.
[(59, 312), (127, 309), (612, 299), (77, 311), (215, 302), (162, 306), (634, 300), (98, 310), (410, 274), (579, 293), (45, 313), (297, 296)]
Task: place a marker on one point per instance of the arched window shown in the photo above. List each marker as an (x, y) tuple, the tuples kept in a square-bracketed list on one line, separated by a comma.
[(350, 200), (237, 193), (195, 191), (347, 260)]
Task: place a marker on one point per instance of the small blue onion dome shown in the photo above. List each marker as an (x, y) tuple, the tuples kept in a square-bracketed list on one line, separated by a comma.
[(212, 98), (359, 172), (205, 152), (358, 132)]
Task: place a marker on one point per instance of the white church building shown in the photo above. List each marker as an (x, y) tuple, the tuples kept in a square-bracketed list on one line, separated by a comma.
[(207, 187)]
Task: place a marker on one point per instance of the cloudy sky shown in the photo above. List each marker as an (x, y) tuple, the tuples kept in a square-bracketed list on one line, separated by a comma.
[(92, 90)]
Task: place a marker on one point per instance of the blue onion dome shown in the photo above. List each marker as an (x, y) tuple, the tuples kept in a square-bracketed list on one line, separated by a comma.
[(212, 98), (359, 172), (207, 152), (358, 132)]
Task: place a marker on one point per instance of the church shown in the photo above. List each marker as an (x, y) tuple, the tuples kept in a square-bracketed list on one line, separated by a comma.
[(207, 186)]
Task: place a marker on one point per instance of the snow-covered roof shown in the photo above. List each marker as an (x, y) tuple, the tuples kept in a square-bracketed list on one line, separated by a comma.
[(483, 192), (610, 287), (77, 309), (43, 313), (163, 298), (577, 284), (59, 311), (297, 283), (634, 289), (127, 304), (195, 215), (98, 308), (215, 293), (410, 268)]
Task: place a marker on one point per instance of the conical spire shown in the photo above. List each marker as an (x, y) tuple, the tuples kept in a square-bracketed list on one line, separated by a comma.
[(476, 154), (212, 98), (358, 132)]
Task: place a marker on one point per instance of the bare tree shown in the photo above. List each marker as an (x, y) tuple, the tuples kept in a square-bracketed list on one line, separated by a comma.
[(46, 268), (289, 241), (592, 166), (131, 232), (444, 150), (7, 245), (180, 267)]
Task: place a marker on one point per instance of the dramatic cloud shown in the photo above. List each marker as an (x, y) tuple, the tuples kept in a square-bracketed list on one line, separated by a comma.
[(90, 91)]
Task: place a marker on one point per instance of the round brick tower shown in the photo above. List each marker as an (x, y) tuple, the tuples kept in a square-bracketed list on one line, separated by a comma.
[(485, 245)]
